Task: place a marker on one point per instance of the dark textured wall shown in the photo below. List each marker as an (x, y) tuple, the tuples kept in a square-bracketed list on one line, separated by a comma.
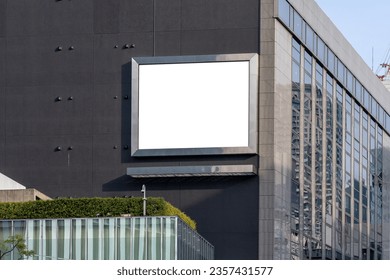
[(91, 122)]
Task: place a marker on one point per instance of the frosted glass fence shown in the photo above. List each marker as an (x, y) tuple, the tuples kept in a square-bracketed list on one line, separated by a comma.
[(120, 238)]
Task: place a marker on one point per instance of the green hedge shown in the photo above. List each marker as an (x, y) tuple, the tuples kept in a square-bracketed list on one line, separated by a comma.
[(90, 207)]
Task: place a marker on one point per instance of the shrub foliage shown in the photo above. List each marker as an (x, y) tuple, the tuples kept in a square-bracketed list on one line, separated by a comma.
[(90, 207)]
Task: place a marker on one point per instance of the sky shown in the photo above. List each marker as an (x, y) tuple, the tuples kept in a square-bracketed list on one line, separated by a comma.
[(365, 24)]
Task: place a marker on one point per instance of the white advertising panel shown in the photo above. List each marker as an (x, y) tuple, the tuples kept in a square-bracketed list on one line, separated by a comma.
[(183, 107)]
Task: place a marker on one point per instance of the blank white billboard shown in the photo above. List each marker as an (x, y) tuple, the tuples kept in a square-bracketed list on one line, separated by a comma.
[(191, 105)]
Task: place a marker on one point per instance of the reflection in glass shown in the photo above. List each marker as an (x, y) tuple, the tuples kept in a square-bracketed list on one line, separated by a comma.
[(284, 11), (350, 193), (298, 22)]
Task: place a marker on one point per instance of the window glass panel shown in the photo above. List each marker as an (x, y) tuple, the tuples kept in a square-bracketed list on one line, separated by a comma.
[(321, 49), (331, 60), (366, 99), (63, 239), (168, 228), (347, 163), (348, 204), (291, 18), (309, 38), (284, 11), (296, 55), (298, 22), (341, 71), (381, 113), (356, 209), (374, 108), (359, 91), (295, 75), (140, 235), (308, 63), (108, 239), (48, 238), (349, 81), (296, 51), (154, 238), (123, 238)]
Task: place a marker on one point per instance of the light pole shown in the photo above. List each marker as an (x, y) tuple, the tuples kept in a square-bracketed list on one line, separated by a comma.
[(143, 190)]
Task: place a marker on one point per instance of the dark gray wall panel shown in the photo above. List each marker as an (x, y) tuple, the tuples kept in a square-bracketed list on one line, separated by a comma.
[(49, 17), (81, 189), (106, 16), (2, 112), (2, 152), (220, 41), (3, 17), (112, 59), (221, 196), (107, 152), (219, 14), (2, 61), (35, 61), (234, 246), (108, 109), (136, 15), (168, 43), (108, 172), (34, 161), (168, 15), (36, 110)]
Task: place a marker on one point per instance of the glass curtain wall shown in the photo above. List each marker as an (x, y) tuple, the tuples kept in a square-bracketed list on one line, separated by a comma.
[(337, 153), (337, 166), (135, 238)]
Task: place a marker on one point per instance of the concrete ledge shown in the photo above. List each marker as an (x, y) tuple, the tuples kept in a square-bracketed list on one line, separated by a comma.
[(21, 195)]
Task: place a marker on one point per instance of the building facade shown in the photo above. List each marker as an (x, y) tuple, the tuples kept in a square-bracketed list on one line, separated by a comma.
[(308, 178)]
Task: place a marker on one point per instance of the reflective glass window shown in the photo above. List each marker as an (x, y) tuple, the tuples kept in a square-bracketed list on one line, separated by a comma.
[(340, 71), (331, 60), (296, 70), (309, 38), (349, 81), (298, 23), (374, 108), (296, 54), (359, 91), (348, 143), (357, 123), (348, 122), (356, 209), (347, 163), (308, 62), (321, 49), (365, 138), (284, 11), (339, 113), (381, 115), (366, 99), (348, 204)]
